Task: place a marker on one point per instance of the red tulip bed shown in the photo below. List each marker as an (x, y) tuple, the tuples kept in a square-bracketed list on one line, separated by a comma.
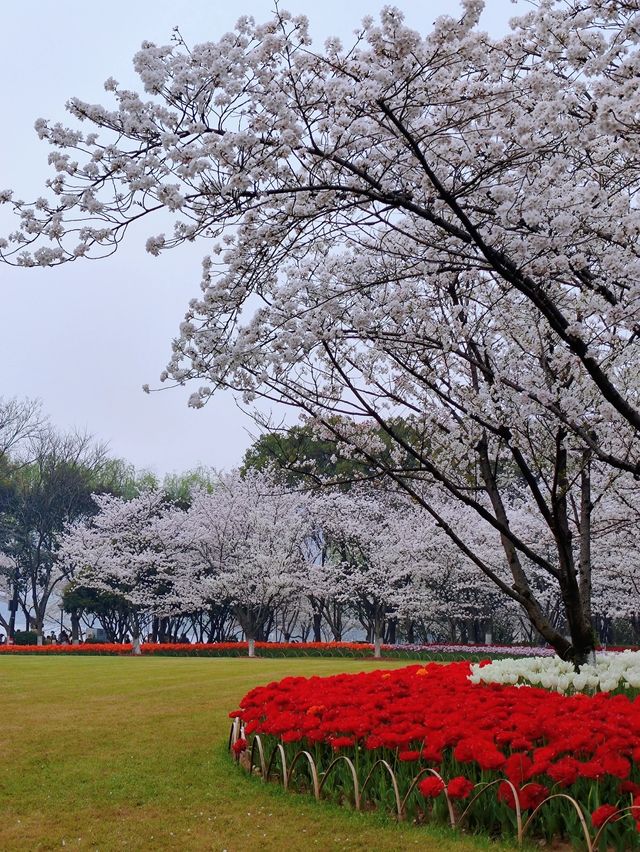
[(426, 743), (286, 649)]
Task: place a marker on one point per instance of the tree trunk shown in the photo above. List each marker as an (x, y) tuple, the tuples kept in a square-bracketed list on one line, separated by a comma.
[(585, 533), (163, 624), (378, 630), (377, 646), (478, 634), (13, 609), (582, 646), (578, 615), (39, 630), (463, 632), (135, 645), (411, 633), (75, 627), (317, 623), (565, 648), (392, 626)]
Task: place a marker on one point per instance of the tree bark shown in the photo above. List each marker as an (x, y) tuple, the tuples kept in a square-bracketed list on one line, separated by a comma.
[(585, 533), (75, 627), (317, 623), (13, 608), (378, 630), (135, 645), (582, 644), (392, 626), (537, 617)]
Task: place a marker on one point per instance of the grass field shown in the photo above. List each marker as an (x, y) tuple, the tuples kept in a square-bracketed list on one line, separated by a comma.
[(108, 753)]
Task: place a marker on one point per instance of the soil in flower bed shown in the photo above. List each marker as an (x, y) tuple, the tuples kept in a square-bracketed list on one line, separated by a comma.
[(431, 717)]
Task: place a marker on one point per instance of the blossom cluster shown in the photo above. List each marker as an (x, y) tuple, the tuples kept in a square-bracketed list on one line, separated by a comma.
[(432, 717), (609, 672)]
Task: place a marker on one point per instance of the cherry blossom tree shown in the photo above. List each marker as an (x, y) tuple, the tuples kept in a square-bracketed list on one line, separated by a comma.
[(129, 549), (323, 582), (246, 542), (376, 546), (240, 545), (383, 563), (449, 598), (616, 589), (251, 547), (442, 228)]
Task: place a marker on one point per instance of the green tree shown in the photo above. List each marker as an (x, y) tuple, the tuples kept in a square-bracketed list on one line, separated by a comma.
[(178, 487), (300, 458), (112, 610), (40, 499)]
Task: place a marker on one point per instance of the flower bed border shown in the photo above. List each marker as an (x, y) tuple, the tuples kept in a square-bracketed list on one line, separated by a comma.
[(319, 777), (348, 650)]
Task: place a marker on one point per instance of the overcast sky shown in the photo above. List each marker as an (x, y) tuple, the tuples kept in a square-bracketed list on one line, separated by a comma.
[(86, 336)]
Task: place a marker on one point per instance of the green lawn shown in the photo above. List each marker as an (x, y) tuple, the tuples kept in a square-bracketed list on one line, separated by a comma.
[(110, 753)]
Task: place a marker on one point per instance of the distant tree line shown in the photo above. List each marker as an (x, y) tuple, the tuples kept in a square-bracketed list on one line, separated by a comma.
[(306, 541)]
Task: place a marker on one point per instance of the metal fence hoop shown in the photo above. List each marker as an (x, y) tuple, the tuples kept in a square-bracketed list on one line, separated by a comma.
[(394, 782), (313, 768), (516, 798), (278, 750), (354, 777), (413, 785), (256, 745), (583, 822), (621, 812)]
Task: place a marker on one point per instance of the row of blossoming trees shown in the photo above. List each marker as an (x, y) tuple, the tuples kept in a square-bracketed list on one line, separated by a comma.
[(253, 556), (442, 227)]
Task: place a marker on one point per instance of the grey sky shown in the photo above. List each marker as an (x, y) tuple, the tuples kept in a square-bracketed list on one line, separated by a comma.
[(85, 337)]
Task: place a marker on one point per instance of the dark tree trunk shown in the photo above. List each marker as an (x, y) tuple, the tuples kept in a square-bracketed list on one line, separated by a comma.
[(578, 615), (13, 609), (392, 627), (317, 624), (585, 533), (579, 647), (378, 632), (75, 627), (163, 624)]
